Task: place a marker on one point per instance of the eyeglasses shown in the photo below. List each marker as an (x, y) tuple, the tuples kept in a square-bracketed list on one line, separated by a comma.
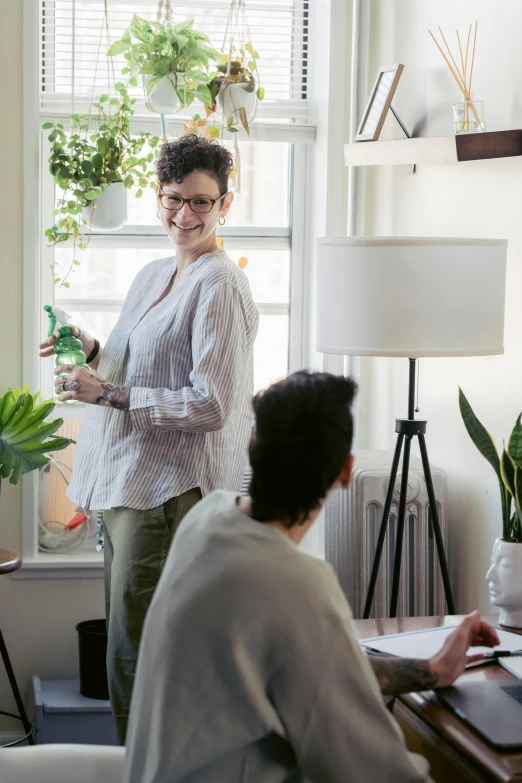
[(198, 204)]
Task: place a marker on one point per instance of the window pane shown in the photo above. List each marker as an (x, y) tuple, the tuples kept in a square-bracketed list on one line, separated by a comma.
[(263, 200), (54, 506), (107, 273), (104, 273), (271, 350), (99, 325), (268, 273)]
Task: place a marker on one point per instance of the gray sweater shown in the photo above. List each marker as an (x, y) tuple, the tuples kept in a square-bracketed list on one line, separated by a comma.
[(249, 668)]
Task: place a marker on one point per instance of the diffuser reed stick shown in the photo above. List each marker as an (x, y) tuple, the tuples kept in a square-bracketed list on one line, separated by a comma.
[(462, 76)]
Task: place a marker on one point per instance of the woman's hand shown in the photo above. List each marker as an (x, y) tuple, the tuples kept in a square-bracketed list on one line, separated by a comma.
[(450, 662), (77, 383), (47, 346)]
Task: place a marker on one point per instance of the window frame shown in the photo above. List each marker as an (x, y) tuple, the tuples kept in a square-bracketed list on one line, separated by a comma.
[(291, 238), (38, 287)]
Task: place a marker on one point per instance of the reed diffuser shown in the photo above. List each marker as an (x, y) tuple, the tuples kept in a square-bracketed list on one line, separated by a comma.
[(469, 114)]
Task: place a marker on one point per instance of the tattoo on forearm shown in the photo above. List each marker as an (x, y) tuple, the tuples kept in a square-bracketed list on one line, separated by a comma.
[(402, 675), (116, 396)]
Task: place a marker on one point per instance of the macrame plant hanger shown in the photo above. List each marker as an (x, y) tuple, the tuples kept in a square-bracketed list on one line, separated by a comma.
[(164, 8), (237, 30), (100, 531), (110, 71), (110, 62)]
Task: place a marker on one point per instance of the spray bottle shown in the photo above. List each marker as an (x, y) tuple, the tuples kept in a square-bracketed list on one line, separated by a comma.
[(68, 348)]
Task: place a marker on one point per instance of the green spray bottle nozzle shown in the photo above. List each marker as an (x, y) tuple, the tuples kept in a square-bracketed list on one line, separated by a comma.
[(57, 316)]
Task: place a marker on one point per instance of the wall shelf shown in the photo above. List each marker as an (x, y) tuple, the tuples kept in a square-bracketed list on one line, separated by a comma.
[(435, 149)]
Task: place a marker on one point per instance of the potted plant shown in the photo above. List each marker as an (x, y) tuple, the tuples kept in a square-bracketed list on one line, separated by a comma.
[(235, 87), (505, 574), (25, 435), (173, 60), (94, 170)]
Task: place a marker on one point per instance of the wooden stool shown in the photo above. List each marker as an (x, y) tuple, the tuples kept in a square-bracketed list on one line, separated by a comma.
[(10, 562)]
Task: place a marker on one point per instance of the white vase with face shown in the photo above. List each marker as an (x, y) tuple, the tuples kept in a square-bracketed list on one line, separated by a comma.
[(108, 212), (505, 582), (163, 99)]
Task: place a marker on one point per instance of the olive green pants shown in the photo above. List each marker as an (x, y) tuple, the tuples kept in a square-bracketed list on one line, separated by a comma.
[(135, 550)]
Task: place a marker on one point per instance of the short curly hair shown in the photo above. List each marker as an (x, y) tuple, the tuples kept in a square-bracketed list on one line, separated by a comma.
[(302, 437), (189, 153)]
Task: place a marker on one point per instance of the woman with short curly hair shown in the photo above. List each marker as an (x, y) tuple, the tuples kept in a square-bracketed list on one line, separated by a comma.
[(169, 415)]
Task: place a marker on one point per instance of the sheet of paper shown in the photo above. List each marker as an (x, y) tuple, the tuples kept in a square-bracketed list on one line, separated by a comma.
[(513, 665), (424, 644)]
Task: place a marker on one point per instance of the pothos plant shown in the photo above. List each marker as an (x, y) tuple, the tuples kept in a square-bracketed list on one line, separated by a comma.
[(507, 466), (84, 164), (238, 68), (178, 52)]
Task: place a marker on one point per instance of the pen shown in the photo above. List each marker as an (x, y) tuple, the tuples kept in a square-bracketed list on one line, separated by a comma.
[(501, 654)]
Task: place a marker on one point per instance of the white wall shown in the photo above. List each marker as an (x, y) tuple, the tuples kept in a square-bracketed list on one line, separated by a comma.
[(37, 618), (478, 199)]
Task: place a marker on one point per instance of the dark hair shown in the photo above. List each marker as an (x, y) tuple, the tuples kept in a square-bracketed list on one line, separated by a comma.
[(303, 434), (189, 153)]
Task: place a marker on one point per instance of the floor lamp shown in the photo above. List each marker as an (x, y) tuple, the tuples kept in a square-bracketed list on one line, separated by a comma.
[(411, 297)]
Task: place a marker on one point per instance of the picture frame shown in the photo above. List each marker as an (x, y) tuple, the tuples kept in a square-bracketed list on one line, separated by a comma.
[(379, 102)]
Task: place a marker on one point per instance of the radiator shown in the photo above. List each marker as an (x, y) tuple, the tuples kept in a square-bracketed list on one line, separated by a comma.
[(352, 522)]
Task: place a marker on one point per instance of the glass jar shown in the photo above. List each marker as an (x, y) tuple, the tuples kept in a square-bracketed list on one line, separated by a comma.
[(468, 117)]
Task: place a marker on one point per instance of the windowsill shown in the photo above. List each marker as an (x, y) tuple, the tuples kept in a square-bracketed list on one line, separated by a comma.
[(84, 565)]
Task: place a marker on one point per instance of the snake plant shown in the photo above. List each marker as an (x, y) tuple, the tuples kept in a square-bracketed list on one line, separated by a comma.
[(507, 466), (25, 436)]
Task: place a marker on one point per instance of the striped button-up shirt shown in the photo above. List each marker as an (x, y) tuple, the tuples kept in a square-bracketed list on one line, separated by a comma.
[(188, 362)]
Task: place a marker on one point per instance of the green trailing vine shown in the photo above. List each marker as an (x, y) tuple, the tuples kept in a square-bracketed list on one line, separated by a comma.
[(84, 164)]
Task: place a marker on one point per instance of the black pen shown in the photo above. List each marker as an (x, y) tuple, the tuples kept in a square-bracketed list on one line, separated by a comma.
[(501, 654)]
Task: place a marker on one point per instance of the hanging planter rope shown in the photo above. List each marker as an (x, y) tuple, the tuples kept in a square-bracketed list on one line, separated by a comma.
[(236, 87), (94, 167), (167, 11)]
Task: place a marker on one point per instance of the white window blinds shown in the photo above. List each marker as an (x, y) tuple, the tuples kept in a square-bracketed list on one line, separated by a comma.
[(74, 40)]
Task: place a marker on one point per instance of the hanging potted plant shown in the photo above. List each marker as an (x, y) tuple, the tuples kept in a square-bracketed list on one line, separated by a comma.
[(95, 170), (173, 60), (234, 88), (505, 573), (25, 436)]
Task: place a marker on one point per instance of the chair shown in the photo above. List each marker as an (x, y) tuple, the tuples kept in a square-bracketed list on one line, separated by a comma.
[(62, 764), (10, 562)]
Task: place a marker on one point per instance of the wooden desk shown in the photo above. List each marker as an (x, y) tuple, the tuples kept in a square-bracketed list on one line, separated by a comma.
[(456, 754)]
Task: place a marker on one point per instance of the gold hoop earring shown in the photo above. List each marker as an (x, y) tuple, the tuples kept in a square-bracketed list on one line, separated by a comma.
[(222, 223)]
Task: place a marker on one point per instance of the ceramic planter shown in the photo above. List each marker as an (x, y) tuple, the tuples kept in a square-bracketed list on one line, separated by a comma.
[(164, 99), (232, 97), (108, 212), (505, 582)]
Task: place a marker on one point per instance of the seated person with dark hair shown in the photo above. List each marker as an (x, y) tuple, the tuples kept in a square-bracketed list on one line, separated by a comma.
[(249, 668)]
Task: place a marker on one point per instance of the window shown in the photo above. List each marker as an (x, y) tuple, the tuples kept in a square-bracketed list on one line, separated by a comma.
[(258, 229), (265, 225)]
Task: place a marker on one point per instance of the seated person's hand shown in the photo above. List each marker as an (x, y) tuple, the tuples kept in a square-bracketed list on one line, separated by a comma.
[(450, 662)]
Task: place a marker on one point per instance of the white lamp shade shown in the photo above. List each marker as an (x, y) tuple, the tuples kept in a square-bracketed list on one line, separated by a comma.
[(407, 296)]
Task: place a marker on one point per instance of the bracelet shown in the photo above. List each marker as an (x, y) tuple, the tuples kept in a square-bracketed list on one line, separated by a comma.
[(94, 353)]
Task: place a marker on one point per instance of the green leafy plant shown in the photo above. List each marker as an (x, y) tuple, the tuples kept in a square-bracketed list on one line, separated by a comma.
[(238, 68), (507, 466), (156, 50), (25, 436), (84, 164)]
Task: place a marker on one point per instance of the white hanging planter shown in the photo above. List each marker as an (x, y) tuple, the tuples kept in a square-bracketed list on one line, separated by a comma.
[(164, 98), (108, 212), (234, 96)]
